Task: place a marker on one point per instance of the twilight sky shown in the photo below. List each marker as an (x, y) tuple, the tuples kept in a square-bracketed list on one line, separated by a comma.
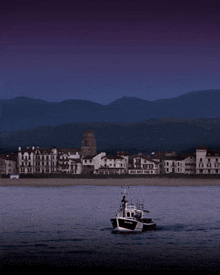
[(102, 50)]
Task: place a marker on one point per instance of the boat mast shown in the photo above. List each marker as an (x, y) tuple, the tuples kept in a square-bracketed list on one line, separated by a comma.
[(124, 205), (124, 201)]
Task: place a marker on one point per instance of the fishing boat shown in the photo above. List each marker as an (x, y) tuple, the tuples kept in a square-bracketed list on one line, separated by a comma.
[(130, 218)]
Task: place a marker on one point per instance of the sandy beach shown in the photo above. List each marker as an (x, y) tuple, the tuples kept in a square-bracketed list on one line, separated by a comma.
[(110, 182)]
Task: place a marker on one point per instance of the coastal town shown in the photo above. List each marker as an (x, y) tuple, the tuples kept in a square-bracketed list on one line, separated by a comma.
[(86, 161)]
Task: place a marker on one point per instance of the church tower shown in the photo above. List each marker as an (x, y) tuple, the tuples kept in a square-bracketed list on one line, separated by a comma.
[(88, 147)]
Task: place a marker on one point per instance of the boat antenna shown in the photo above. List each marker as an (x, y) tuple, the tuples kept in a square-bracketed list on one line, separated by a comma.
[(125, 192), (142, 205)]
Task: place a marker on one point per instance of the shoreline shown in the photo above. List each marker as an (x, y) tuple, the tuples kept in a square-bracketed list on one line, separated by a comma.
[(43, 182)]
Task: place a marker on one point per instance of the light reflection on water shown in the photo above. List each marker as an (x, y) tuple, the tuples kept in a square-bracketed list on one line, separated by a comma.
[(72, 225)]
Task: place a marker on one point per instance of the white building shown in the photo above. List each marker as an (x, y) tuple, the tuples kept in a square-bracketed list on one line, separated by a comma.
[(91, 164), (207, 161), (113, 165), (37, 160), (183, 164), (69, 161), (145, 165), (102, 164)]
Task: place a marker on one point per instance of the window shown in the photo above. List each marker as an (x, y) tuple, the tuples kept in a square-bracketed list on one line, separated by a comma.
[(128, 214)]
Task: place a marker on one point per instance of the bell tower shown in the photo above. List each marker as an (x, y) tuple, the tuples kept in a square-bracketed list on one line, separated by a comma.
[(88, 147)]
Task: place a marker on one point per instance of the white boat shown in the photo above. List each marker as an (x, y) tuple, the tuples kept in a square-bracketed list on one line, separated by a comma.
[(129, 218)]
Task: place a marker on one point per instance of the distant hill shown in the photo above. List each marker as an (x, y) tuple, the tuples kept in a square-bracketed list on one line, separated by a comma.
[(27, 113), (156, 134)]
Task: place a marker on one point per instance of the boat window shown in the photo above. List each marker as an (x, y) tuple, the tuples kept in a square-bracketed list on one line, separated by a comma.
[(132, 214), (128, 214)]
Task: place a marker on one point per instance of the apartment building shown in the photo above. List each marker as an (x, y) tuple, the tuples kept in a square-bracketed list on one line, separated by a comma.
[(182, 164), (145, 165), (37, 160), (207, 161)]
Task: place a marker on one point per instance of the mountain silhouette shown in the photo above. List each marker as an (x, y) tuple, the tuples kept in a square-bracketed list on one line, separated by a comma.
[(27, 113)]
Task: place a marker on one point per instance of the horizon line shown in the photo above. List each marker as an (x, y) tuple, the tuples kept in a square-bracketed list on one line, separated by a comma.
[(74, 99)]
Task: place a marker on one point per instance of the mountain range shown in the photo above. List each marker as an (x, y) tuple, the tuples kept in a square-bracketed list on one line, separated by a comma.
[(129, 124), (27, 113)]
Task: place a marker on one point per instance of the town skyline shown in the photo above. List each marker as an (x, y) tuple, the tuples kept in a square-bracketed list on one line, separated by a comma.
[(87, 161)]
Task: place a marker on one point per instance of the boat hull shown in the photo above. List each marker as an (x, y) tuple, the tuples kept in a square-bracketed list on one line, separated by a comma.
[(129, 225)]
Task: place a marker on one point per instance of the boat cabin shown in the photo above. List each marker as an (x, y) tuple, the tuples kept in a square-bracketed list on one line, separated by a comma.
[(131, 212)]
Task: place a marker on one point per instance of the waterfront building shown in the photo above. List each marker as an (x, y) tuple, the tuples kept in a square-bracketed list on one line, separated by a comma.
[(143, 164), (102, 164), (207, 161), (69, 161), (182, 164), (8, 164), (112, 165), (91, 164), (37, 160)]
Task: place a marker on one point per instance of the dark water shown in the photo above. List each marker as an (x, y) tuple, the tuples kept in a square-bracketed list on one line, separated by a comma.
[(69, 226)]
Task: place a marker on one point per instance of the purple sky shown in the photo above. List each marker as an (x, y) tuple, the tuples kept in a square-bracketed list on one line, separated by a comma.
[(103, 50)]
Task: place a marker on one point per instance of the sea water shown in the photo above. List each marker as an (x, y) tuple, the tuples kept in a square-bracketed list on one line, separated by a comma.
[(71, 225)]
